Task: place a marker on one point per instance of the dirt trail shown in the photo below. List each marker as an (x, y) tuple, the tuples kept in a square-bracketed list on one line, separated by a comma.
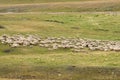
[(107, 12)]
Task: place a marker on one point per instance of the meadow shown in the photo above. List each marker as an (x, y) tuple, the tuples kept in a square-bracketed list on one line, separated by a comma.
[(67, 6), (95, 26), (90, 19)]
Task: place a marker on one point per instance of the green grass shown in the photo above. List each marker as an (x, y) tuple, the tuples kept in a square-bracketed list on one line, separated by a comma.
[(61, 57), (96, 26), (46, 19), (39, 63)]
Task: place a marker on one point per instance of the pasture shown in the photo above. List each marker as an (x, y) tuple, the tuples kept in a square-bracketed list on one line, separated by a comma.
[(91, 19), (67, 6), (103, 26)]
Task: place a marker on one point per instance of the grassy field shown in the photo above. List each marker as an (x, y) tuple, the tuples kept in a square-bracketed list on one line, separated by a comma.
[(92, 19), (68, 6), (39, 63), (96, 26), (36, 62)]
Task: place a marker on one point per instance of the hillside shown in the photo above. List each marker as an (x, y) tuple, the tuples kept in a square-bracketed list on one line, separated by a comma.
[(103, 26), (66, 24), (75, 6)]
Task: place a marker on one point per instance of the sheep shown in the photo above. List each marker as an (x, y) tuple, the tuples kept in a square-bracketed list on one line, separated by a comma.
[(55, 43), (14, 45)]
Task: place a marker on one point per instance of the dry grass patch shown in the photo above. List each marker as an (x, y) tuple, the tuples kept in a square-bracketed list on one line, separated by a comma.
[(109, 5)]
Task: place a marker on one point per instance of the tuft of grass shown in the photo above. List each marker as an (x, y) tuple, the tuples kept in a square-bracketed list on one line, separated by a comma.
[(2, 27)]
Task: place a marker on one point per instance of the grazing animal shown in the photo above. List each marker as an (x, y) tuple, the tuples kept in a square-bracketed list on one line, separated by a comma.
[(53, 43)]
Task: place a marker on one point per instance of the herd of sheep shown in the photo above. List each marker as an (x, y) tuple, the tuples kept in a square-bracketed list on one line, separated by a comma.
[(52, 43)]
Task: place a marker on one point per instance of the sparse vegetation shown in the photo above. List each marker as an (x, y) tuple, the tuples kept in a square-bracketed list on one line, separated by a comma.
[(86, 6)]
